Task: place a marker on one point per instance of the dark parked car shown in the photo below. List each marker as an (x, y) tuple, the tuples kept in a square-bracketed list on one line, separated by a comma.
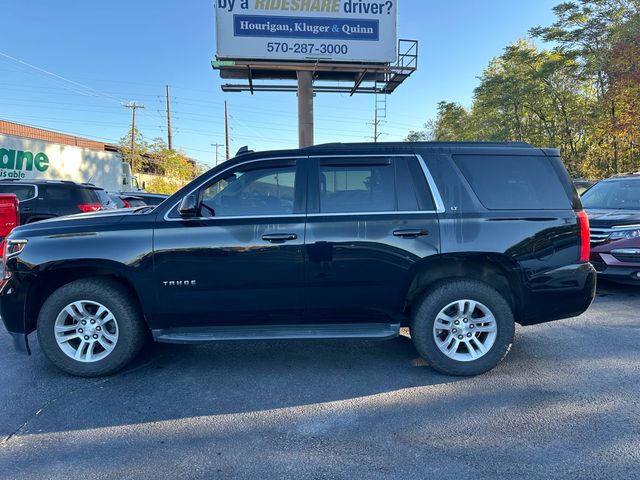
[(43, 199), (456, 241), (613, 207), (152, 199), (127, 201)]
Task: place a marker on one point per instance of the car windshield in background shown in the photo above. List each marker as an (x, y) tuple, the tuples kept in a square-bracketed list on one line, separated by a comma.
[(613, 195), (118, 201)]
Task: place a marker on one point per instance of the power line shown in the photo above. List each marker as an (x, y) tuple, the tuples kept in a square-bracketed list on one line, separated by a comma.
[(60, 77)]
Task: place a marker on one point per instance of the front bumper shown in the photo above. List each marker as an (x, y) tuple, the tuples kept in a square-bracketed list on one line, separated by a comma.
[(611, 268)]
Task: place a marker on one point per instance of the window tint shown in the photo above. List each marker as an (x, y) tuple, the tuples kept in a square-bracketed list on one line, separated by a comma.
[(613, 195), (59, 195), (23, 192), (514, 182), (262, 191), (412, 187), (346, 188)]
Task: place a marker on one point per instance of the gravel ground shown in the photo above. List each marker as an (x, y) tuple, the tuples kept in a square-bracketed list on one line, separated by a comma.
[(564, 404)]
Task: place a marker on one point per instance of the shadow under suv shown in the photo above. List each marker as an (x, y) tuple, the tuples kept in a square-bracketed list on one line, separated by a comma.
[(456, 241)]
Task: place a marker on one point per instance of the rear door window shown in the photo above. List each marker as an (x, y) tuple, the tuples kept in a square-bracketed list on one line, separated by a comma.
[(373, 185), (23, 192), (514, 182), (355, 186)]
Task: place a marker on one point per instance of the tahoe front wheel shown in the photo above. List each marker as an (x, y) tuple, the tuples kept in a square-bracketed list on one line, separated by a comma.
[(91, 327), (463, 327)]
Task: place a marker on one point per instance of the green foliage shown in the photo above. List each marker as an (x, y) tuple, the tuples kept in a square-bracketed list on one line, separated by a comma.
[(582, 96), (171, 169)]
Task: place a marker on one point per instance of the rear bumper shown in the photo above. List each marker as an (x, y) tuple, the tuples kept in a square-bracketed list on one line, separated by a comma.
[(560, 293)]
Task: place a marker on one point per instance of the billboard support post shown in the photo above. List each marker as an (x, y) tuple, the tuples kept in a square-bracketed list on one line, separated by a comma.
[(305, 108)]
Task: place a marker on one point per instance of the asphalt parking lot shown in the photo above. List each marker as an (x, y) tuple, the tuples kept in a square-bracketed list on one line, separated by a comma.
[(565, 404)]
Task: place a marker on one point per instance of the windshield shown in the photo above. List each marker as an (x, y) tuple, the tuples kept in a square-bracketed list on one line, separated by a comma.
[(613, 195)]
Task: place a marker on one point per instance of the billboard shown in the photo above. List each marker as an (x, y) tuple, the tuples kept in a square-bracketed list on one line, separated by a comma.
[(307, 30)]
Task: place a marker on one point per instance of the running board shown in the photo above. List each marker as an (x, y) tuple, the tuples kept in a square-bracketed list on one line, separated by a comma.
[(380, 331)]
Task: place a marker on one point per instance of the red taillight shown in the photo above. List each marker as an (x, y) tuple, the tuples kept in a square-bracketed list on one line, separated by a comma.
[(89, 207), (585, 246)]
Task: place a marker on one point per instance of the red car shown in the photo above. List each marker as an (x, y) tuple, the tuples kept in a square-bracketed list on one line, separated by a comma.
[(613, 206), (9, 217)]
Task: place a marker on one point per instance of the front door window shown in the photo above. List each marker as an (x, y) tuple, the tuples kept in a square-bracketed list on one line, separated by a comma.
[(257, 192)]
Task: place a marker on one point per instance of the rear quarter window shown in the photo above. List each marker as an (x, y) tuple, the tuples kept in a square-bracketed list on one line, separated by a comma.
[(514, 182)]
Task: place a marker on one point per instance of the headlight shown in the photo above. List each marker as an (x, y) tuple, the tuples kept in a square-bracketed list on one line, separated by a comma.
[(625, 234), (12, 248)]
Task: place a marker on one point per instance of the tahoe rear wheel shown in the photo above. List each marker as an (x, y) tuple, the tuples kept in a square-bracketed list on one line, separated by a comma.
[(91, 327), (462, 327)]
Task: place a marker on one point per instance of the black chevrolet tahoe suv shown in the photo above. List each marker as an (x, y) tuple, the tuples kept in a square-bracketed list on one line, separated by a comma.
[(457, 241)]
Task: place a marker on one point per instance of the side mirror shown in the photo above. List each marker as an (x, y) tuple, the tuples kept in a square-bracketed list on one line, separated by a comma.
[(189, 206)]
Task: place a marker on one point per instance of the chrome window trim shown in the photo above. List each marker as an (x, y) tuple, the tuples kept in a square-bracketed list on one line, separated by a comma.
[(435, 193), (35, 187), (437, 198), (351, 214)]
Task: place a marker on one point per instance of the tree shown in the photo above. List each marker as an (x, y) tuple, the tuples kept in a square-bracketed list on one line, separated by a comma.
[(141, 148), (582, 95)]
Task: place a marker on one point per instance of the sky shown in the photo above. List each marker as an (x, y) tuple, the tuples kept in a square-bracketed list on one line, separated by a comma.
[(69, 65)]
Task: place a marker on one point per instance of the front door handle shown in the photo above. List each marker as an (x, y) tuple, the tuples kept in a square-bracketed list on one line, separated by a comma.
[(279, 237), (410, 233)]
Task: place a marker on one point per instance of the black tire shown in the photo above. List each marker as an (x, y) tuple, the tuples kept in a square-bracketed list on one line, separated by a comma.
[(132, 331), (429, 306)]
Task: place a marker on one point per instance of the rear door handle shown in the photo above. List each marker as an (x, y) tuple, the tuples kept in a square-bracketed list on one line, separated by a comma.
[(279, 237), (410, 233)]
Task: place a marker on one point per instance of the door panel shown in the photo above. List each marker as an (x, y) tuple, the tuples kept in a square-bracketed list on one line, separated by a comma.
[(219, 269), (358, 262)]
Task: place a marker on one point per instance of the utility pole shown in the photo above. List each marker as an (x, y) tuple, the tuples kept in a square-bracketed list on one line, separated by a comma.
[(305, 108), (133, 106), (217, 145), (226, 128), (169, 133), (376, 127)]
